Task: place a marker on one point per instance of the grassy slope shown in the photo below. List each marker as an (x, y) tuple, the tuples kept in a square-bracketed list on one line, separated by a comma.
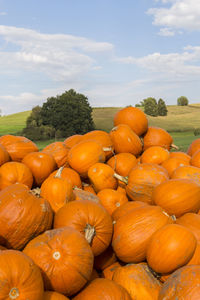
[(180, 122)]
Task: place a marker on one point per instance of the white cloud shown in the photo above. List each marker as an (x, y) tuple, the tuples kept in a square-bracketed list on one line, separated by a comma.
[(181, 14), (166, 32), (60, 56)]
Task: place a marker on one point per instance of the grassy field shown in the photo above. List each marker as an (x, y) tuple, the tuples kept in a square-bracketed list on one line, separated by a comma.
[(180, 122)]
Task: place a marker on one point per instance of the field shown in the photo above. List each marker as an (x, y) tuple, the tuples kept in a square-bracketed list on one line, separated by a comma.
[(180, 122)]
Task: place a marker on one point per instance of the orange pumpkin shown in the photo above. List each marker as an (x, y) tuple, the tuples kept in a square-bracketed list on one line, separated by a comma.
[(192, 222), (187, 172), (15, 172), (172, 163), (122, 163), (20, 278), (102, 177), (194, 146), (125, 140), (88, 188), (49, 295), (109, 271), (135, 230), (143, 179), (89, 218), (80, 194), (22, 216), (85, 154), (195, 260), (57, 191), (105, 259), (71, 176), (41, 165), (72, 140), (138, 281), (101, 137), (155, 155), (170, 248), (156, 136), (102, 288), (4, 156), (59, 151), (125, 208), (195, 160), (184, 283), (180, 155), (177, 196), (134, 117), (17, 146), (111, 199), (61, 252)]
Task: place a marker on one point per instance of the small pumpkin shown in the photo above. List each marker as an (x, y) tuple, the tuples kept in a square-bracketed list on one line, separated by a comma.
[(195, 160), (122, 163), (109, 271), (187, 172), (71, 176), (72, 140), (156, 136), (50, 295), (155, 155), (80, 194), (125, 208), (172, 163), (4, 156), (181, 155), (192, 222), (59, 151), (194, 147)]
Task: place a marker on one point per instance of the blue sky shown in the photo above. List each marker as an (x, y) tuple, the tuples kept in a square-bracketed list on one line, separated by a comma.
[(115, 52)]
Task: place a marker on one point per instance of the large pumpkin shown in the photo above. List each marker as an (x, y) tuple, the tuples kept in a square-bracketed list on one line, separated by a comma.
[(20, 278), (138, 280), (177, 196), (135, 230), (64, 257), (22, 216), (156, 136), (17, 146), (89, 218), (134, 117), (170, 248), (102, 288), (59, 151)]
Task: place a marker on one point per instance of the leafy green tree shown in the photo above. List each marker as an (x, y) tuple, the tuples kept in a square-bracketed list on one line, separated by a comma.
[(182, 101), (162, 108), (150, 107), (70, 113)]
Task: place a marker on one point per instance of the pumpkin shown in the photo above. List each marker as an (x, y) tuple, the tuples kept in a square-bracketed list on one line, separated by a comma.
[(64, 257), (195, 160), (184, 283), (156, 136), (49, 295), (180, 155), (105, 259), (102, 177), (85, 154), (134, 117), (20, 278), (101, 137), (57, 191), (22, 216), (80, 194), (109, 271), (187, 172), (122, 163), (125, 208), (15, 172), (4, 156), (170, 248), (17, 146), (194, 146), (155, 155), (71, 175), (88, 188), (192, 222), (138, 281), (143, 179), (125, 140), (59, 151), (89, 218), (111, 199), (72, 140), (172, 163), (195, 260), (177, 196), (102, 288), (41, 165), (135, 230)]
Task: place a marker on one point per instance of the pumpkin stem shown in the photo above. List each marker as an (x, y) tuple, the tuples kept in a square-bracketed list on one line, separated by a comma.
[(36, 192), (107, 148), (121, 178), (89, 233), (59, 172), (14, 293), (173, 217), (174, 146)]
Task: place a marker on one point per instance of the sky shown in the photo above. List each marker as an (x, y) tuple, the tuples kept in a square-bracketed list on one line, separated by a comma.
[(115, 52)]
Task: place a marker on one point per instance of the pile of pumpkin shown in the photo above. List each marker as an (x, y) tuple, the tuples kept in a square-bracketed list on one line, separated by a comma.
[(100, 216)]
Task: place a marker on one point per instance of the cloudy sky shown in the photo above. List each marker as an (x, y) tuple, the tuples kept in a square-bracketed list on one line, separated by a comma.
[(116, 52)]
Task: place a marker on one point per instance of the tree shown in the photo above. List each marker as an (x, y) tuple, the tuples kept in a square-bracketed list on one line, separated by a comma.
[(182, 101), (150, 107), (70, 113), (162, 108)]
